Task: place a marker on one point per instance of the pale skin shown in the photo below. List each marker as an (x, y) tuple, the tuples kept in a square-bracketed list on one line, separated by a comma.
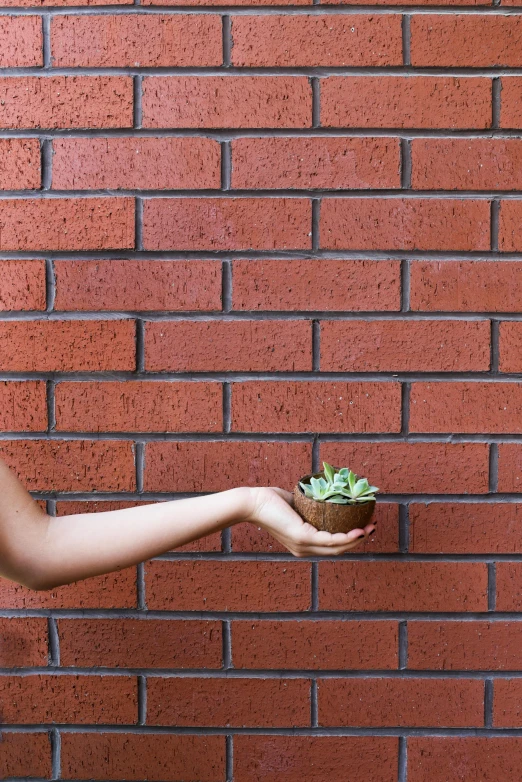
[(42, 552)]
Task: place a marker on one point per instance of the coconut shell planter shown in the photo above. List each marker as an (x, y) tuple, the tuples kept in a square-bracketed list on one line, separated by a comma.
[(335, 500)]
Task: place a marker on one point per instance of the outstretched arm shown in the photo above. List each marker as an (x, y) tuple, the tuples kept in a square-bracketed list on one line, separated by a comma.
[(42, 551)]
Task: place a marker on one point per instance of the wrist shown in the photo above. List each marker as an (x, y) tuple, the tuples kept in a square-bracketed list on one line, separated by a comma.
[(241, 505)]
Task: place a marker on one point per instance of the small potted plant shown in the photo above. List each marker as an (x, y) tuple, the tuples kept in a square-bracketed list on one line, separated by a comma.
[(335, 500)]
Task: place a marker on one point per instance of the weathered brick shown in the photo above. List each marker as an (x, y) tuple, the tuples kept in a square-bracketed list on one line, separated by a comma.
[(227, 101), (19, 159), (114, 590), (326, 645), (333, 163), (22, 285), (465, 41), (255, 703), (228, 586), (315, 758), (134, 643), (464, 528), (67, 346), (20, 41), (227, 223), (24, 643), (509, 467), (507, 697), (510, 102), (183, 466), (146, 41), (510, 334), (308, 406), (466, 164), (66, 224), (462, 286), (139, 406), (85, 700), (465, 646), (75, 465), (464, 406), (137, 285), (405, 224), (228, 346), (135, 163), (25, 755), (440, 759), (403, 586), (406, 102), (508, 586), (372, 702), (23, 406), (316, 284), (156, 758), (66, 101), (327, 40), (405, 345)]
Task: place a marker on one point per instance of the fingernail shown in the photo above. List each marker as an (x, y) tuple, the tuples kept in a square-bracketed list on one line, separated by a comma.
[(371, 533), (360, 536)]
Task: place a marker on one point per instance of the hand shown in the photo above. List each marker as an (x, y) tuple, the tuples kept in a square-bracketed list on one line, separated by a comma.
[(272, 509)]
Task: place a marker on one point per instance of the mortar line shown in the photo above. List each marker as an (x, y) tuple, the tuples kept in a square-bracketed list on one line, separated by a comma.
[(493, 468), (495, 214), (316, 345), (227, 407), (406, 39), (405, 407), (314, 576), (314, 704), (51, 405), (405, 285), (229, 757), (46, 41), (495, 345), (289, 10), (492, 586), (138, 226), (140, 587), (316, 102), (403, 759), (226, 286), (140, 346), (56, 746), (226, 541), (142, 700), (54, 641), (406, 164), (488, 703), (316, 222), (226, 165), (51, 507), (140, 466), (137, 112), (403, 645), (316, 452), (227, 40), (496, 89), (46, 145), (50, 285), (404, 528), (227, 645)]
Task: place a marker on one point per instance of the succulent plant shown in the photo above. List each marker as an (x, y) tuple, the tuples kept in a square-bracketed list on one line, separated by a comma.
[(341, 487)]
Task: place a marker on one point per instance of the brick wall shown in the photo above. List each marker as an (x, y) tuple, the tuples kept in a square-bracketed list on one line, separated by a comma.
[(235, 242)]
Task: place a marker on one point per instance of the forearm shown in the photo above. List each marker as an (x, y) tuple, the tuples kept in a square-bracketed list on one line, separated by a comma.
[(42, 551)]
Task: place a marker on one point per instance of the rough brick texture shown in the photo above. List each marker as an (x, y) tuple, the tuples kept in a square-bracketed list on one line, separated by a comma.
[(233, 245)]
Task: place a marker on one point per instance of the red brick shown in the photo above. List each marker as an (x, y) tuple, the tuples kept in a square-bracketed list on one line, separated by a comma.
[(67, 346), (208, 543), (325, 645), (84, 700), (139, 406), (510, 102), (227, 223), (507, 697), (135, 163), (464, 528), (249, 537), (315, 758), (232, 2), (20, 41), (450, 703), (405, 102), (510, 346), (22, 285), (410, 2), (46, 3), (466, 164), (137, 285), (405, 224), (227, 101), (403, 586), (509, 467), (509, 586), (137, 757), (405, 346), (24, 643), (251, 703), (465, 41), (334, 163), (184, 466), (441, 759), (23, 406), (323, 406), (316, 284), (327, 40), (137, 643), (67, 224), (19, 157), (229, 346), (25, 755), (462, 286), (400, 467), (66, 101), (466, 407), (151, 41), (510, 235), (115, 590), (465, 646), (75, 465), (228, 586)]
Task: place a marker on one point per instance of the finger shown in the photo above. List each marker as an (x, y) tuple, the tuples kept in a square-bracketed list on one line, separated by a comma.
[(336, 539)]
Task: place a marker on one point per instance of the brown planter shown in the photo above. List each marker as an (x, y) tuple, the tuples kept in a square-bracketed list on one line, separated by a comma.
[(329, 516)]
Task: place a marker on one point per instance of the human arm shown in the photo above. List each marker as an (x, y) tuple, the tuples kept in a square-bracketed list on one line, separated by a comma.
[(42, 551)]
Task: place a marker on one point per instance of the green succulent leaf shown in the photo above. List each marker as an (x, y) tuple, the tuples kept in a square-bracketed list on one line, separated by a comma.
[(329, 472), (352, 478), (338, 500)]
